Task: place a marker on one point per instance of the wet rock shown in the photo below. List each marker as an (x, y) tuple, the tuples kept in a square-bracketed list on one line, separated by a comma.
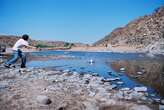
[(139, 107), (162, 101), (66, 71), (140, 89), (157, 100), (113, 86), (42, 99), (3, 85), (120, 82), (95, 74), (110, 73), (119, 95), (136, 95), (161, 107), (125, 89), (86, 82), (110, 79), (75, 72), (122, 69)]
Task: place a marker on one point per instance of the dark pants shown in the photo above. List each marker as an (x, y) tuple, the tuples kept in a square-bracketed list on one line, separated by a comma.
[(17, 54)]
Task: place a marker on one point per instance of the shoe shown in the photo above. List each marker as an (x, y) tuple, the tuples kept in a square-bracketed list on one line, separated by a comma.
[(23, 66), (6, 65)]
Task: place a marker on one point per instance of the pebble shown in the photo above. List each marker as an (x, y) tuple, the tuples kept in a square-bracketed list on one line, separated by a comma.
[(162, 101), (120, 82), (140, 89), (157, 100), (161, 107), (65, 71), (139, 73), (125, 89), (113, 86), (42, 99), (122, 69), (95, 74)]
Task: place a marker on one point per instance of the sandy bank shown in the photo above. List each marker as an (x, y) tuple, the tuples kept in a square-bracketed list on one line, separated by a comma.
[(119, 49)]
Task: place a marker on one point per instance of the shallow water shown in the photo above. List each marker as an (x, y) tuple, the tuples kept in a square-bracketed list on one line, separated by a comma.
[(152, 68)]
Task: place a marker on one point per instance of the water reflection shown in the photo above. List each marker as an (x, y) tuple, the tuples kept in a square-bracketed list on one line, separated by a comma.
[(147, 72)]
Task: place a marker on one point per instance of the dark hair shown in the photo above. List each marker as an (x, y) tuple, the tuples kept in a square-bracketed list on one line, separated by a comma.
[(25, 37)]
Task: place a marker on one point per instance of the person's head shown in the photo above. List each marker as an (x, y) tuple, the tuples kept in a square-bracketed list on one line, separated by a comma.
[(25, 37)]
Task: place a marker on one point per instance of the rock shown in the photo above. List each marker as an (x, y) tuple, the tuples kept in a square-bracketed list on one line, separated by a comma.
[(120, 82), (113, 86), (3, 86), (125, 89), (136, 95), (122, 69), (162, 101), (110, 79), (157, 100), (95, 74), (66, 71), (128, 97), (140, 89), (42, 99), (139, 73), (119, 95), (87, 81), (75, 72), (139, 107), (161, 107)]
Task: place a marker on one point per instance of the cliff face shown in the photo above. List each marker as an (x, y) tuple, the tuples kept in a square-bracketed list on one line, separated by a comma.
[(139, 33)]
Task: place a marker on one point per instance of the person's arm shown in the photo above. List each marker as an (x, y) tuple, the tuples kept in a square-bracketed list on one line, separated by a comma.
[(29, 46)]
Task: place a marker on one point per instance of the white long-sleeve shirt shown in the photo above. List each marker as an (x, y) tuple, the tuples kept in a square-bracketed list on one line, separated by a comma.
[(19, 44)]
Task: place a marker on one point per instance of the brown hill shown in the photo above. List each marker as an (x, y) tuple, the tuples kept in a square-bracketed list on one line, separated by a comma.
[(139, 33), (9, 41)]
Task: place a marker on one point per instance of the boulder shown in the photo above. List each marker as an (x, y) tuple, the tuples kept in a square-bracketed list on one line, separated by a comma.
[(42, 99)]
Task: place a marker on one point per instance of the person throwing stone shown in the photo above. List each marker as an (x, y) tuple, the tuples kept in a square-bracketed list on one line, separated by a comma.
[(18, 53)]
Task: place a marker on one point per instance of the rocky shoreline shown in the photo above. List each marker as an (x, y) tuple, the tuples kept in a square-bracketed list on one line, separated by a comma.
[(44, 89)]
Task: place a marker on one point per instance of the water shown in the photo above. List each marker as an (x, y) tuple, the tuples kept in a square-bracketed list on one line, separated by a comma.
[(105, 62)]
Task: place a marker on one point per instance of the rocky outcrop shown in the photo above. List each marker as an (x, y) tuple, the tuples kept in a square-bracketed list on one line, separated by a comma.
[(139, 33)]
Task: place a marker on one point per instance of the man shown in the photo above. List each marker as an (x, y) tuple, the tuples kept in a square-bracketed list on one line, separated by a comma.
[(17, 52)]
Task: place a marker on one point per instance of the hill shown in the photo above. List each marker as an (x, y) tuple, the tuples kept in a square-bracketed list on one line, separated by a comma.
[(9, 41), (146, 33)]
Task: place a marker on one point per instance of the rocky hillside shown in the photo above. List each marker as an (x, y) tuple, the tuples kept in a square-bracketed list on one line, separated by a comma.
[(139, 33)]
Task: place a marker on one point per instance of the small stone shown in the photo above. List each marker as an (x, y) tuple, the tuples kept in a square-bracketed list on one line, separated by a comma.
[(122, 69), (162, 101), (66, 71), (120, 82), (157, 100), (125, 89), (139, 73), (75, 72), (43, 99), (86, 82), (95, 74), (161, 107), (113, 86), (140, 89)]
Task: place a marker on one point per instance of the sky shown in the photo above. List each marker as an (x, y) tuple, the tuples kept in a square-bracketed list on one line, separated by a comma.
[(84, 21)]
